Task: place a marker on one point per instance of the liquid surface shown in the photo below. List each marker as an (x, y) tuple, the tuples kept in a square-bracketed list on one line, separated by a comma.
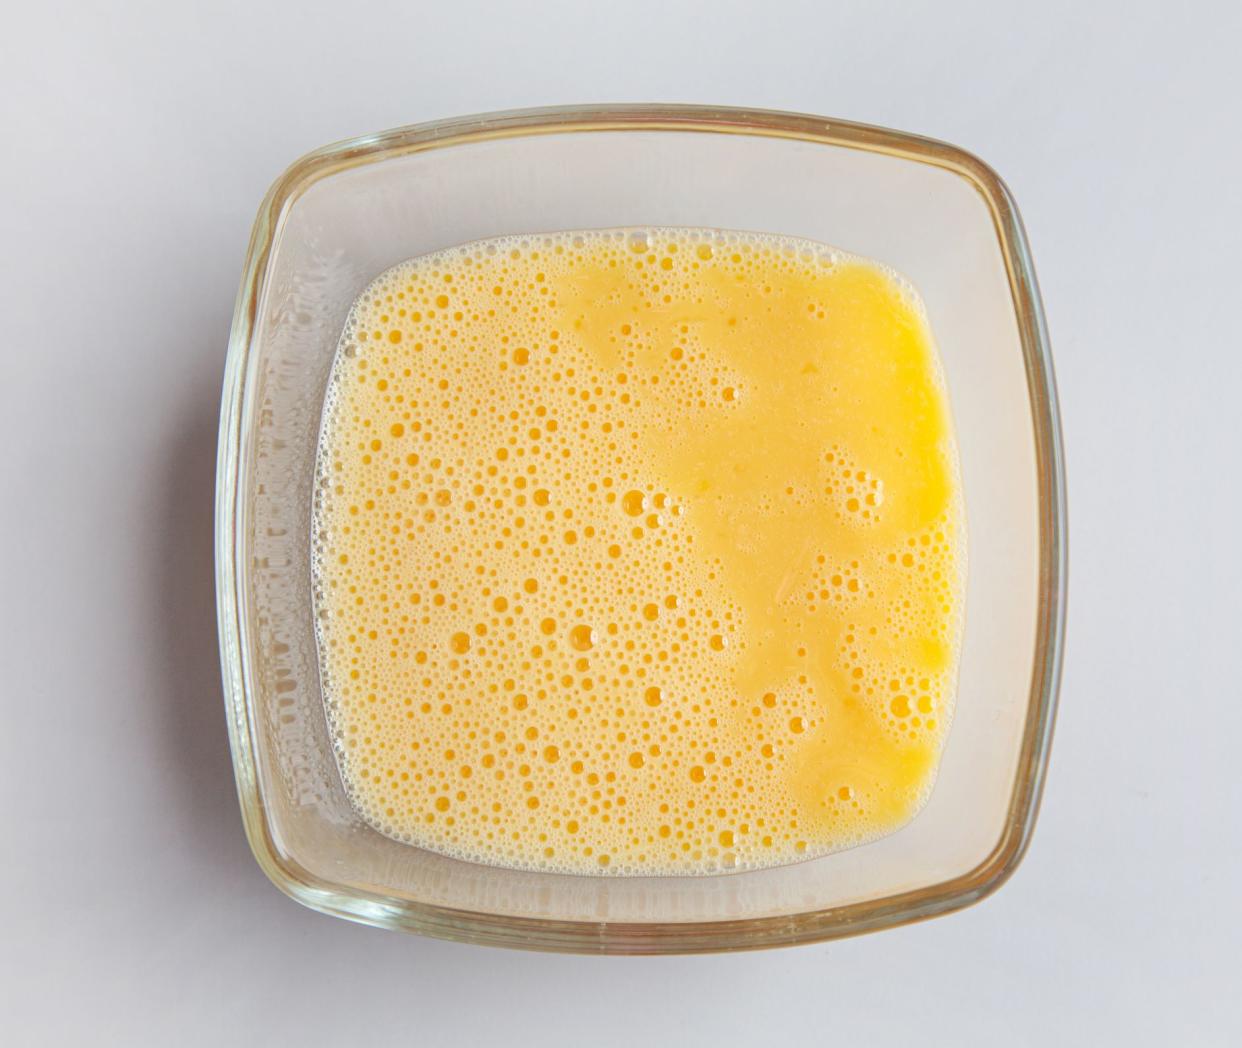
[(638, 552)]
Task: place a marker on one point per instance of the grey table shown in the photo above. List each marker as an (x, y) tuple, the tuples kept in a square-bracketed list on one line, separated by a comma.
[(139, 139)]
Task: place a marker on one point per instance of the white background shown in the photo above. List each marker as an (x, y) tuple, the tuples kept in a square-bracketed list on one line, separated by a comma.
[(138, 141)]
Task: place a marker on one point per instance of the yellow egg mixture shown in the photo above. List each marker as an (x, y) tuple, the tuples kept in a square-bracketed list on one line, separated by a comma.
[(638, 552)]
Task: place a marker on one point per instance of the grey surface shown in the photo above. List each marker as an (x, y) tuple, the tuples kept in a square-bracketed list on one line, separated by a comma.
[(140, 138)]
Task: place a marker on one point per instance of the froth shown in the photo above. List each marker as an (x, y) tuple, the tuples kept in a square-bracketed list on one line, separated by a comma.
[(628, 557)]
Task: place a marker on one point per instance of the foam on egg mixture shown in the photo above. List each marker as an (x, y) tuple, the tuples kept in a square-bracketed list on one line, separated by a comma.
[(638, 552)]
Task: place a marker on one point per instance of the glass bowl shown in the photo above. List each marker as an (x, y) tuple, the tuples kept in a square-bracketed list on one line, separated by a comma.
[(341, 215)]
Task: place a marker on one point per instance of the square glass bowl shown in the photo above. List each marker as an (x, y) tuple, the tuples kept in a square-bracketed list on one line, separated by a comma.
[(341, 215)]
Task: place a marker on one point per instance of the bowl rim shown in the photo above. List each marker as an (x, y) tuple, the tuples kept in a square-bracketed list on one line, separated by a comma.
[(668, 937)]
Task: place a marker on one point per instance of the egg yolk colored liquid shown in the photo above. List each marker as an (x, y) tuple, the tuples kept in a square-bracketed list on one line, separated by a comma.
[(638, 552)]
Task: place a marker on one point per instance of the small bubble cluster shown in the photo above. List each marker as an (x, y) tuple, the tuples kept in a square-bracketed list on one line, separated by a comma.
[(637, 552)]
